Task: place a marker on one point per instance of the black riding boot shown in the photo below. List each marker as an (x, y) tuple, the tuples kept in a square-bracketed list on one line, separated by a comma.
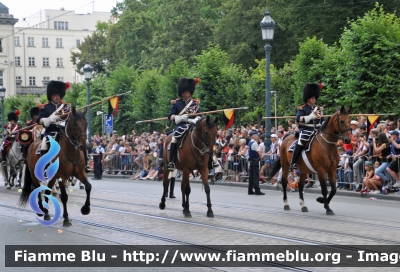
[(3, 157), (87, 170), (296, 154), (171, 188), (172, 157)]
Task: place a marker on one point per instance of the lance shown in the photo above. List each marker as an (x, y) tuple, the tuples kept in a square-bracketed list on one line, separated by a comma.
[(355, 114), (92, 104), (191, 114)]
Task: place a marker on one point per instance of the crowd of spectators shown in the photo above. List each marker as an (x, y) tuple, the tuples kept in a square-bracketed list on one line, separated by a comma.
[(367, 164)]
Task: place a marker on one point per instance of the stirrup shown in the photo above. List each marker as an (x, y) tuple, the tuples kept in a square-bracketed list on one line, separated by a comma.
[(171, 166), (294, 166)]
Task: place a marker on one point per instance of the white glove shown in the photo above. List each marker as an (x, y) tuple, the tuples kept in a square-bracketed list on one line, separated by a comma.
[(194, 120), (181, 118), (53, 119), (310, 117)]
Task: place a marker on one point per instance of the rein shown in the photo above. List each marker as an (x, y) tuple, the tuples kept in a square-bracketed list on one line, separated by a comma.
[(202, 151)]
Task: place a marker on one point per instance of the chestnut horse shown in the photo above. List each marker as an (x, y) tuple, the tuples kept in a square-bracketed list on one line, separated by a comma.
[(194, 154), (323, 158), (71, 160)]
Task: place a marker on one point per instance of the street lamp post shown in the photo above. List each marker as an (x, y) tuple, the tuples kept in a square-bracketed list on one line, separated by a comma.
[(87, 70), (267, 30), (2, 95), (276, 120)]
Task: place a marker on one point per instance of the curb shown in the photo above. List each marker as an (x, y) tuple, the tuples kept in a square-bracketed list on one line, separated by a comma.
[(279, 188)]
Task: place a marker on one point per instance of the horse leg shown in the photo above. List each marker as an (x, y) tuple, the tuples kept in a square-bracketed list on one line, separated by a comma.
[(45, 210), (332, 182), (54, 190), (301, 195), (85, 210), (64, 200), (324, 191), (6, 176), (186, 190), (204, 178), (165, 191), (285, 171)]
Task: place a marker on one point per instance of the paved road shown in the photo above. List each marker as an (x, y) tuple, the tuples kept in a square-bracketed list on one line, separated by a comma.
[(130, 207)]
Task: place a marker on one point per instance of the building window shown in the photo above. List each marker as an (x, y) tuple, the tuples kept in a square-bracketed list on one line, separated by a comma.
[(60, 25), (18, 61), (46, 78), (31, 61), (59, 62), (78, 42), (31, 41), (60, 78), (59, 42), (45, 42), (16, 41), (46, 62), (1, 78), (32, 81), (18, 78), (1, 45)]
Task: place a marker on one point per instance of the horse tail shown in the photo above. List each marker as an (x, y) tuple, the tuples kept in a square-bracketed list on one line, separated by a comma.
[(27, 188), (275, 167)]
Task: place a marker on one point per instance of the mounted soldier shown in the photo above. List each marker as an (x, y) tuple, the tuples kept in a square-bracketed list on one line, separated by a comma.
[(309, 119), (49, 115), (33, 112), (8, 134), (179, 111)]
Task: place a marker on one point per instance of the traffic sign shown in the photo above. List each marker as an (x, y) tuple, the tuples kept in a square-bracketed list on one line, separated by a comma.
[(108, 121), (108, 130)]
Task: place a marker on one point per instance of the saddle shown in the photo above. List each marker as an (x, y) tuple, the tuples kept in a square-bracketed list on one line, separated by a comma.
[(308, 145)]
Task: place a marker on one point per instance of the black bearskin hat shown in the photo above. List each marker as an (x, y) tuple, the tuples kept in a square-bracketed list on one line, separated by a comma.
[(311, 90), (57, 87), (13, 116), (34, 111), (187, 84)]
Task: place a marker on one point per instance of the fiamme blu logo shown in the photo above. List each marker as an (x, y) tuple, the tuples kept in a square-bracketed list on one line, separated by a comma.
[(44, 175)]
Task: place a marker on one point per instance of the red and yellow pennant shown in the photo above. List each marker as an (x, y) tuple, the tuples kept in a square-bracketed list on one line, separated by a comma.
[(229, 117), (371, 121), (113, 106)]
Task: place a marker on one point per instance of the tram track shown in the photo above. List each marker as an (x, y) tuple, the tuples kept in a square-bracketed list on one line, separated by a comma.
[(247, 220), (161, 238)]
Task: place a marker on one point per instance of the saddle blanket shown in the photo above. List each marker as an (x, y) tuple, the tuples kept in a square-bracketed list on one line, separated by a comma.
[(291, 148)]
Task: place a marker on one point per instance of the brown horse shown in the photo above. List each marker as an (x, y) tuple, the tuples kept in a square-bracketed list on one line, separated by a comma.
[(323, 158), (194, 154), (71, 160)]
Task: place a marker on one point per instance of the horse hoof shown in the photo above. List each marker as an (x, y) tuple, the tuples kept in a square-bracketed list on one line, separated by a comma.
[(188, 215), (304, 209), (162, 206), (210, 214), (330, 212), (67, 223), (57, 187), (54, 194), (85, 210), (286, 208), (47, 217), (320, 200), (8, 188)]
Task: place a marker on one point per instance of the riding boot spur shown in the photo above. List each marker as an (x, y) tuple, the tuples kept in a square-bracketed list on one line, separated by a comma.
[(172, 157), (295, 157), (171, 188)]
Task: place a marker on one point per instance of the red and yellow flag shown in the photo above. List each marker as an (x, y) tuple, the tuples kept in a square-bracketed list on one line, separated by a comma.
[(372, 120), (228, 118), (113, 105)]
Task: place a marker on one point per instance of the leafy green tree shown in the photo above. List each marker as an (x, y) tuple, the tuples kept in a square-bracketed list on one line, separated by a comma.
[(182, 32), (371, 47)]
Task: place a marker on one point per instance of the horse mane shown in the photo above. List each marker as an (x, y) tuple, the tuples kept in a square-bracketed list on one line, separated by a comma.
[(325, 124), (78, 115), (210, 123)]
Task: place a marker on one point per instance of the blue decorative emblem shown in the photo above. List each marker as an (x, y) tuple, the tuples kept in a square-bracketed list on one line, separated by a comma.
[(44, 175)]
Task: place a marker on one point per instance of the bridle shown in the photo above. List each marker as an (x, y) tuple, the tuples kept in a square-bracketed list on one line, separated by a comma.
[(75, 141), (204, 144), (341, 132)]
